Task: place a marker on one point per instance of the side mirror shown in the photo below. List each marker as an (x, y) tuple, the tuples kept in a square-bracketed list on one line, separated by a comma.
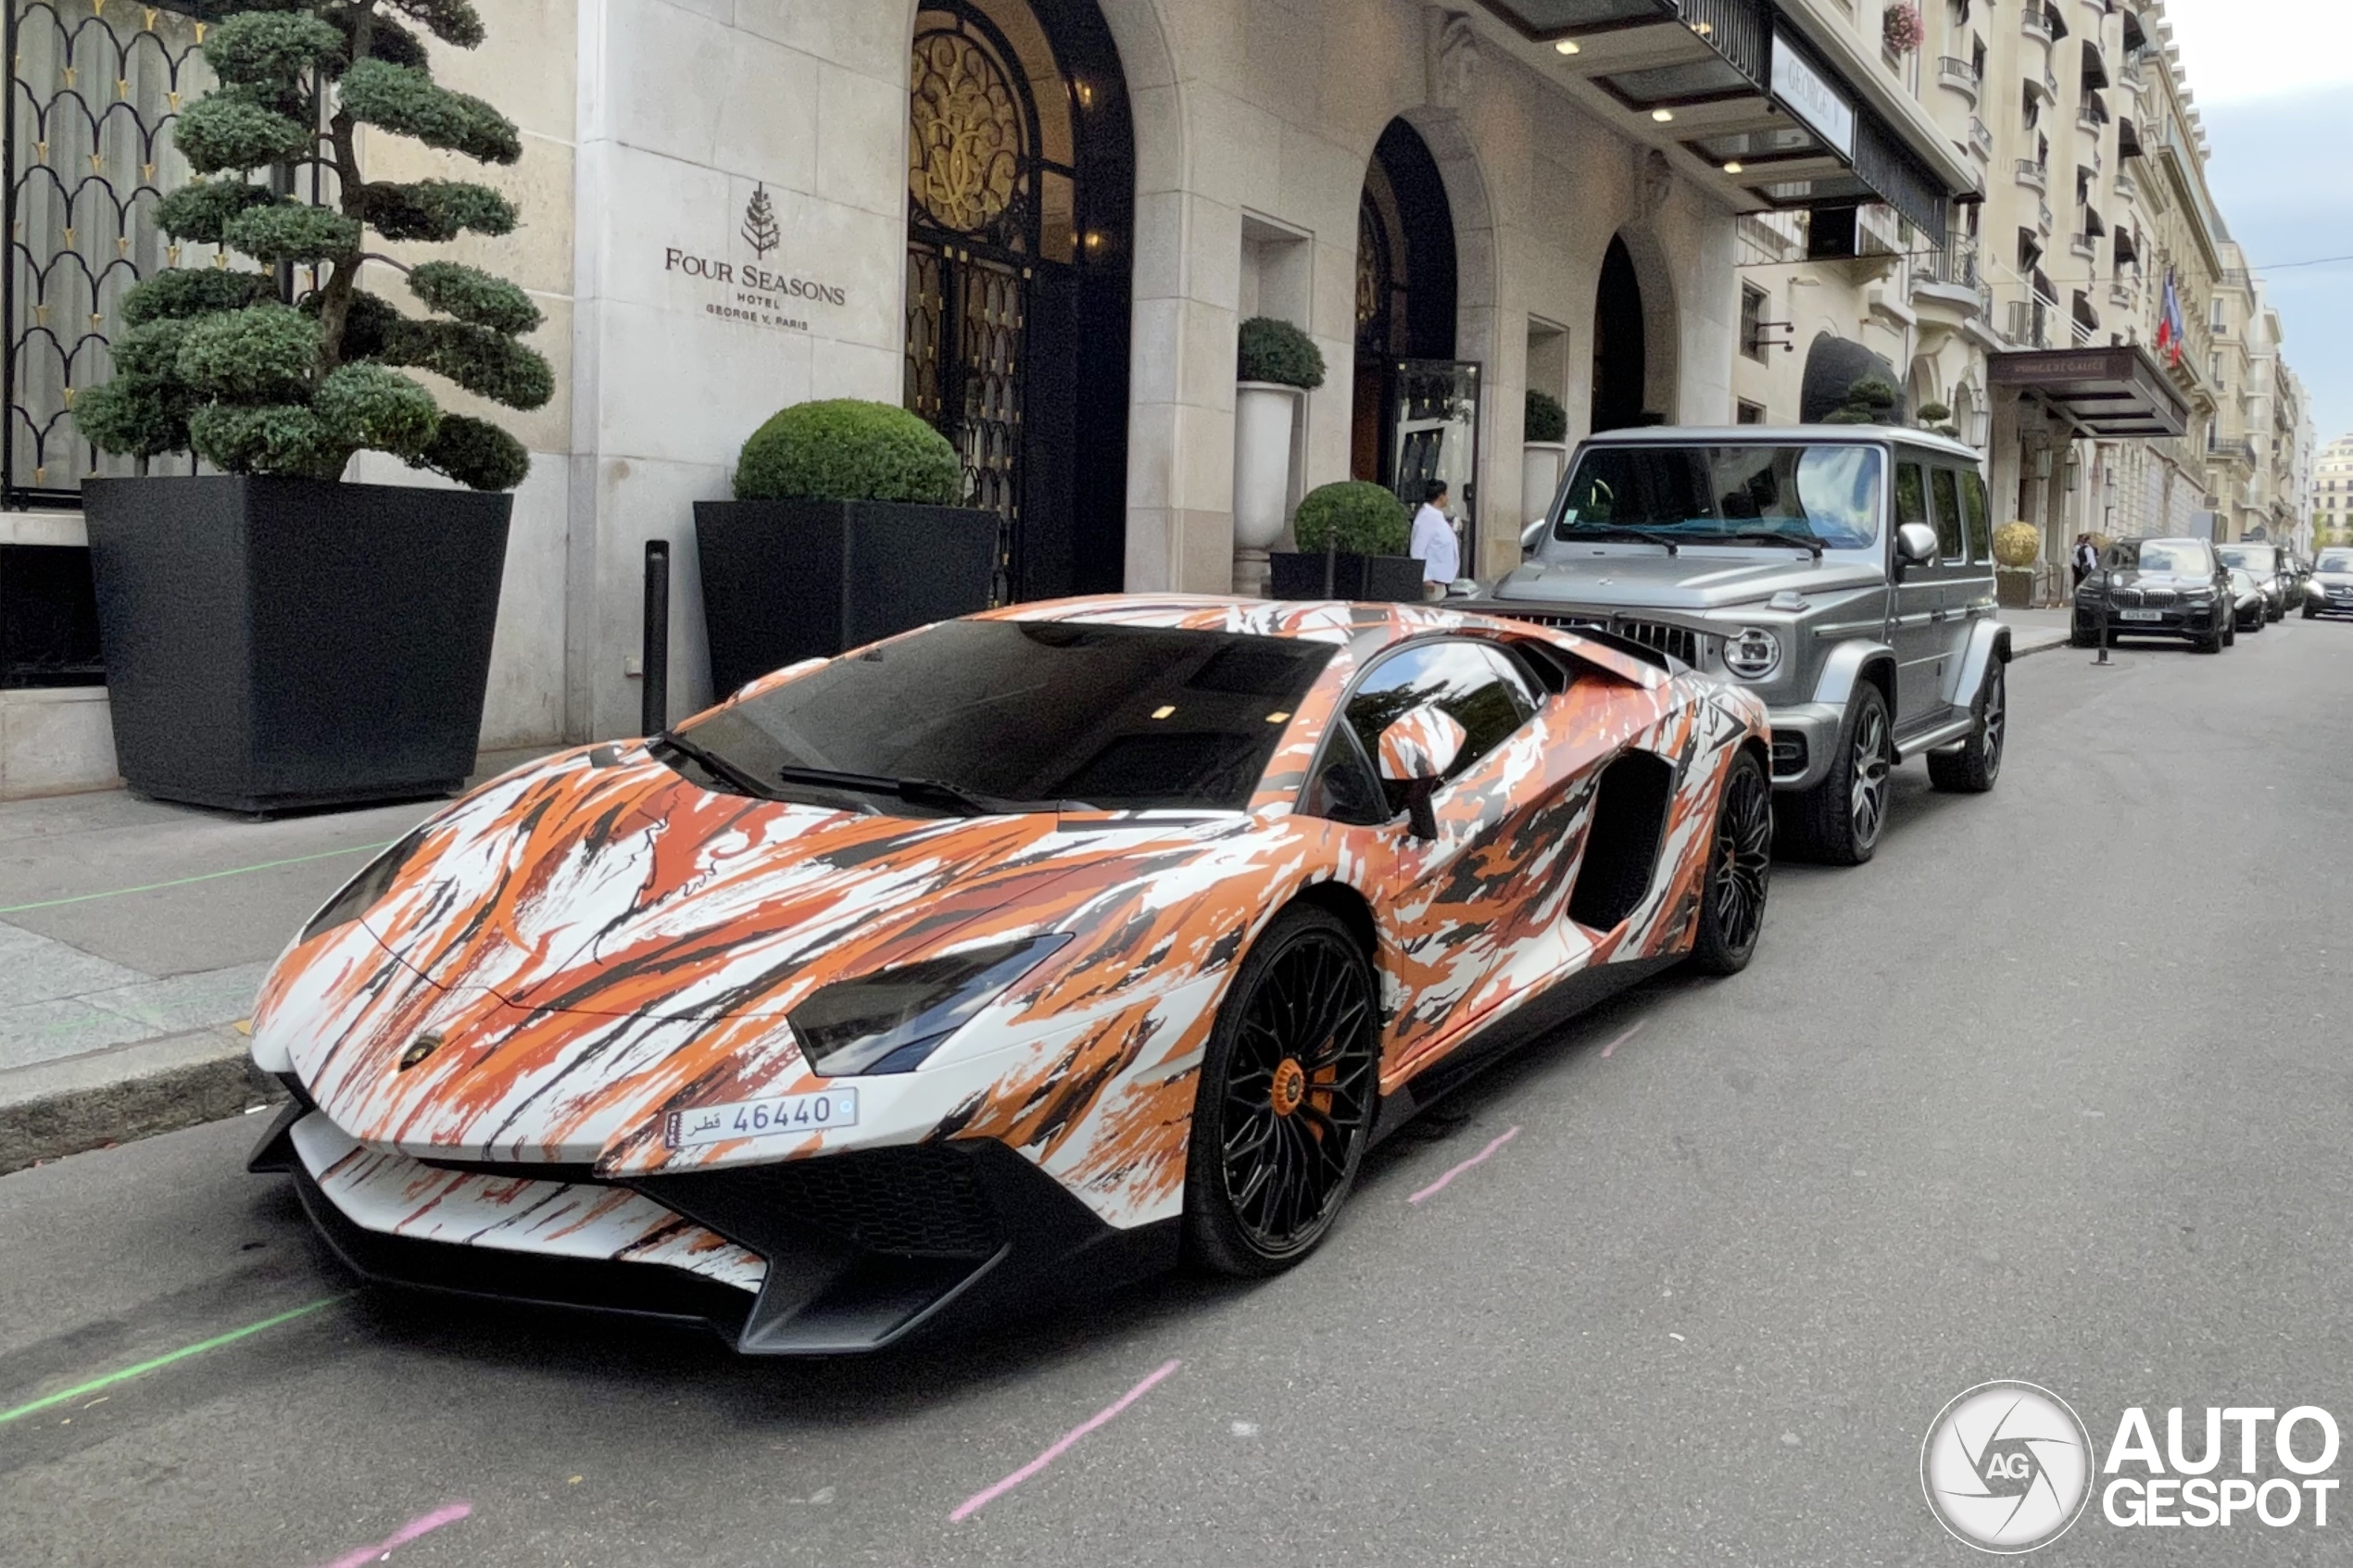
[(1533, 535), (1415, 751), (1914, 545)]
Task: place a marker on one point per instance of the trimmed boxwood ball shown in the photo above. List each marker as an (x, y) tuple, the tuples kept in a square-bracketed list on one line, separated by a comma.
[(1547, 421), (1273, 350), (1364, 518), (841, 449), (213, 363)]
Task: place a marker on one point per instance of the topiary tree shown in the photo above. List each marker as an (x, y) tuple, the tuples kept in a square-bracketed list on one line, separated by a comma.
[(1870, 400), (1362, 519), (213, 362), (841, 449), (1273, 350), (1547, 421)]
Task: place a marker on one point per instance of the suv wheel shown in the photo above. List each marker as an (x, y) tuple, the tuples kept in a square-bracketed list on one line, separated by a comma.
[(1838, 821), (1972, 768)]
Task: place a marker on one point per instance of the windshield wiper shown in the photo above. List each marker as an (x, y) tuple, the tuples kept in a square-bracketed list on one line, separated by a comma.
[(1610, 531), (715, 765), (1768, 536), (920, 792)]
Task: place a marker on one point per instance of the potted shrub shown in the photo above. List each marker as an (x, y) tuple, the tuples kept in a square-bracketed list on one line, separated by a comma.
[(1276, 363), (2015, 547), (1352, 538), (1544, 454), (274, 638), (848, 526)]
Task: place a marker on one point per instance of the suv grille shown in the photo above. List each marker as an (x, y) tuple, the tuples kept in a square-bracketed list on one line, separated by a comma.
[(2136, 598), (1676, 642)]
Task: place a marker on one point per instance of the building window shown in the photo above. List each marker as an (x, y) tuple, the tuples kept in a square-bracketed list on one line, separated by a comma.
[(1753, 323), (1750, 413)]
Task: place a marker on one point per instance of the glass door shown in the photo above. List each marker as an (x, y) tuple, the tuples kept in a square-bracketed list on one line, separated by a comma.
[(1434, 406)]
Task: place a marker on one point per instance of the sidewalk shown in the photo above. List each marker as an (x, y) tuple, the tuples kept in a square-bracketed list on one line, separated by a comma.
[(132, 938), (2036, 630)]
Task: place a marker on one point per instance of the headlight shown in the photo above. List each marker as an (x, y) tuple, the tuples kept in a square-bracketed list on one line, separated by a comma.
[(1751, 653), (892, 1019), (2198, 596), (373, 883)]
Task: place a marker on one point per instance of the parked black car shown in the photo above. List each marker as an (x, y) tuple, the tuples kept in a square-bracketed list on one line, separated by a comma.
[(2246, 595), (2268, 564), (2329, 592), (2157, 588)]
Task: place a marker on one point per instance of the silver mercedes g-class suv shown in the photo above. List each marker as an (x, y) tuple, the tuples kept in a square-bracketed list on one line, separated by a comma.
[(1843, 572)]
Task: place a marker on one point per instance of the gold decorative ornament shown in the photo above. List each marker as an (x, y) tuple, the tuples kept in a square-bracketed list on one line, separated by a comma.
[(964, 156), (2017, 544)]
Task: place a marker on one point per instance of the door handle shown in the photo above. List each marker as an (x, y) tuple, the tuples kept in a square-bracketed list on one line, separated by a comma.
[(1939, 615)]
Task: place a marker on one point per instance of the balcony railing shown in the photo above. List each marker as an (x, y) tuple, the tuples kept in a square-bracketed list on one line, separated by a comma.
[(1960, 75), (2083, 245), (2032, 175), (2048, 219), (2032, 22), (2031, 321), (1980, 138), (2231, 449), (2127, 188)]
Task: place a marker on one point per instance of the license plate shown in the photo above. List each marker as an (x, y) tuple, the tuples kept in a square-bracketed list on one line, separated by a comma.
[(2140, 615), (782, 1116)]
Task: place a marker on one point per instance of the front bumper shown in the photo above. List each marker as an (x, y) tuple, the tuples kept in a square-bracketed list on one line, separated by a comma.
[(2179, 621), (1804, 739), (833, 1255)]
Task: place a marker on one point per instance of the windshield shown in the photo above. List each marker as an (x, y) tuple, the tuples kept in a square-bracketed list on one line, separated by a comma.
[(2186, 557), (1027, 714), (2255, 557), (2335, 561), (1698, 494)]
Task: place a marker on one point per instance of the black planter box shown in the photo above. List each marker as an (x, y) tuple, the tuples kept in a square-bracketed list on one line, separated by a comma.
[(272, 644), (785, 581), (1372, 579)]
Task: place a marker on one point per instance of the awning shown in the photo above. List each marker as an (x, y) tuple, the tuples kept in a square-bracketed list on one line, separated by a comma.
[(2112, 393), (2095, 68), (2128, 140)]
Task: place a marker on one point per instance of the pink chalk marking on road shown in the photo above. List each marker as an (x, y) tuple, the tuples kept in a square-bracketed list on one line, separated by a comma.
[(1479, 1159), (424, 1525), (1623, 1039), (979, 1501)]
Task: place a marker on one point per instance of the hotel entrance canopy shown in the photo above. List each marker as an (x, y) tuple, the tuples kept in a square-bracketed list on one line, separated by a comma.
[(2110, 394)]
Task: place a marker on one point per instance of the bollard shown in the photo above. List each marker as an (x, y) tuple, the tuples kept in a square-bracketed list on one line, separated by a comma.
[(654, 715), (2107, 608), (1331, 563)]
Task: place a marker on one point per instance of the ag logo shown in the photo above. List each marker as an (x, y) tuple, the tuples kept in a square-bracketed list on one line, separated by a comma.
[(2007, 1467)]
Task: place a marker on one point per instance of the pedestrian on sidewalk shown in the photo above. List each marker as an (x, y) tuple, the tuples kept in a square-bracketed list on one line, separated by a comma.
[(1433, 544), (2087, 557)]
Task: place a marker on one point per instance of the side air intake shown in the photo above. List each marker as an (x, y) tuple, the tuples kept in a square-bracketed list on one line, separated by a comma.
[(1621, 849)]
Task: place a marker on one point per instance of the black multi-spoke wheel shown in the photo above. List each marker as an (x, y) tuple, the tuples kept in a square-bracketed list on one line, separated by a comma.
[(1740, 871), (1287, 1093), (1974, 766), (1839, 819)]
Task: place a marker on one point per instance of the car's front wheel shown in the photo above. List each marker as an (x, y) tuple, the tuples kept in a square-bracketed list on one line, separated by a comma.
[(1288, 1089), (1839, 819), (1740, 871)]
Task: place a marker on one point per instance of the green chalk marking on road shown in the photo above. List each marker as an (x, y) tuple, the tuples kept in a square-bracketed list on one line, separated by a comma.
[(207, 876), (218, 1340)]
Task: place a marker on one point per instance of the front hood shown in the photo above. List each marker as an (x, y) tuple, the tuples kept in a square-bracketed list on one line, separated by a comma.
[(2333, 579), (594, 938), (2180, 582), (1618, 576)]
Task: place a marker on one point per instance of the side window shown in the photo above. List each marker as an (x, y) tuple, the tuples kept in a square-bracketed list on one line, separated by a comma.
[(1478, 686), (1346, 788), (1911, 495), (1977, 518), (1950, 544)]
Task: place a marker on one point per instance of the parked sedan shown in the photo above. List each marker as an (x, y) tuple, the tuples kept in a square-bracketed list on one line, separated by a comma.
[(2268, 564), (2329, 592), (2157, 588), (1018, 953), (2246, 596)]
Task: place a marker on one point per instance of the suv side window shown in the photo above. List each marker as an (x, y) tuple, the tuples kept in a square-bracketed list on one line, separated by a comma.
[(1477, 686), (1977, 518), (1911, 495), (1950, 544)]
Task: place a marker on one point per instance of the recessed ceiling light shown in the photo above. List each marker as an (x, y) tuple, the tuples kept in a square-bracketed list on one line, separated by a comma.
[(1733, 167), (1662, 116), (1567, 46)]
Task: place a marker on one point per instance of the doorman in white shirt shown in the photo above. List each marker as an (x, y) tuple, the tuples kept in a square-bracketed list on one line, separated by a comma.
[(1434, 544)]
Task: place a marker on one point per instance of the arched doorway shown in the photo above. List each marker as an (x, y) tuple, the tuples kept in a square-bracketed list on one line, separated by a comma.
[(1021, 194), (1404, 287), (1622, 368)]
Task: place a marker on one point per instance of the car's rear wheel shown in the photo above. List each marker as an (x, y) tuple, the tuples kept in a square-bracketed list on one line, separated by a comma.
[(1288, 1088), (1740, 872), (1972, 768), (1839, 819)]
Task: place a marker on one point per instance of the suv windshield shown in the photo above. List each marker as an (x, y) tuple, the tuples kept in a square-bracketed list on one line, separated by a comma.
[(2186, 557), (1726, 495), (2335, 561), (2257, 558), (1017, 715)]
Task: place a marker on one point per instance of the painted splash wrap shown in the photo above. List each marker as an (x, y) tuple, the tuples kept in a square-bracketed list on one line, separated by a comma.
[(594, 941)]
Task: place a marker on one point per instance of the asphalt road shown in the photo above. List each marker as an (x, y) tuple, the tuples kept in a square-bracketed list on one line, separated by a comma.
[(2056, 1089)]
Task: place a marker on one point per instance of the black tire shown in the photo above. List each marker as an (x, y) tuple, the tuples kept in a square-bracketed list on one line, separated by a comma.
[(2231, 635), (2083, 637), (1974, 766), (1292, 1066), (2210, 642), (2255, 628), (1740, 872), (2310, 614), (1839, 820)]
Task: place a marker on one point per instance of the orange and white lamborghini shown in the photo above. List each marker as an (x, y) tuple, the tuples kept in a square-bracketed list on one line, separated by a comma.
[(1017, 953)]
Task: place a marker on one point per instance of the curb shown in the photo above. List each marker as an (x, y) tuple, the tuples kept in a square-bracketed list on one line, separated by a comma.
[(2018, 653), (53, 1108)]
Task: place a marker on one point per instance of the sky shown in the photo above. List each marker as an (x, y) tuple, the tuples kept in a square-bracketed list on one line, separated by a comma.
[(2270, 79)]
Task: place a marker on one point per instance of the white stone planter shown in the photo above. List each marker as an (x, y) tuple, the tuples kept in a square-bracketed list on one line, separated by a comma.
[(1541, 466), (1265, 415)]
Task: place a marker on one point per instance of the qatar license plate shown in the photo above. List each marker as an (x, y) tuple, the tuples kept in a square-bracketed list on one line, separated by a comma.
[(2140, 615), (782, 1116)]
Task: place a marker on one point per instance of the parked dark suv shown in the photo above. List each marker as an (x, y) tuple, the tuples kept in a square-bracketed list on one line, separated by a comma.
[(1845, 573), (2271, 570), (2160, 588)]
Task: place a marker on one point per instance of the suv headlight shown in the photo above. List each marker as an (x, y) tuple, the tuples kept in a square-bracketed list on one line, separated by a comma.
[(892, 1019), (1751, 653)]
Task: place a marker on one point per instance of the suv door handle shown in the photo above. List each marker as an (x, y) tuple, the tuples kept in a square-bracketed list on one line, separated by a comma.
[(1940, 615)]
